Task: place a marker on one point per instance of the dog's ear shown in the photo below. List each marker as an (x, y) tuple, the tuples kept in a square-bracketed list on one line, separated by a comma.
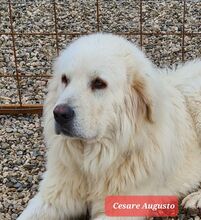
[(144, 102)]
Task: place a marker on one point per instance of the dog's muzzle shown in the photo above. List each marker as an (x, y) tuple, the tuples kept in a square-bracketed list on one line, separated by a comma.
[(64, 115)]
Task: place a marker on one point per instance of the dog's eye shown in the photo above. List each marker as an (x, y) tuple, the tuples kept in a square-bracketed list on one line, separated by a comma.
[(98, 83), (64, 80)]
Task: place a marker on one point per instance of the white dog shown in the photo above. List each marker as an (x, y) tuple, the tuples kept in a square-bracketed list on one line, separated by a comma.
[(117, 125)]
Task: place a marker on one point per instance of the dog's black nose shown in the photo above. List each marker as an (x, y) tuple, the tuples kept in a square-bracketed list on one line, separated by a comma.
[(63, 113)]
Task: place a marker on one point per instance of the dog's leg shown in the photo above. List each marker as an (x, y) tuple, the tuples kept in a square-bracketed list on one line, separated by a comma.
[(58, 199), (103, 217), (37, 209), (97, 213), (193, 200)]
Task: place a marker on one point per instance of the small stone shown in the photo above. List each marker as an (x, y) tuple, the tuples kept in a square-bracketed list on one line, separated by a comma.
[(28, 166), (9, 130), (18, 185), (14, 216)]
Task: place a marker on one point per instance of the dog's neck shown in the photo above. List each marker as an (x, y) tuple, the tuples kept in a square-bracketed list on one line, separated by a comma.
[(105, 161), (106, 156)]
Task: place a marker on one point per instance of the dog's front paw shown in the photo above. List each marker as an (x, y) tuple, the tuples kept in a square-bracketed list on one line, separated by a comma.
[(118, 218), (38, 210), (192, 201)]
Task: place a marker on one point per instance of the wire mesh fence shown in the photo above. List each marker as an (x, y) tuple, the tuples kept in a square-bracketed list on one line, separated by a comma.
[(32, 33)]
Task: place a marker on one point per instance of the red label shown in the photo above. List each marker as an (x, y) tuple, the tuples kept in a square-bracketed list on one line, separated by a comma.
[(151, 206)]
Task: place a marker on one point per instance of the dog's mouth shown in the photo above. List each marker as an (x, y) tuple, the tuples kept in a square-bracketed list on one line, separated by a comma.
[(71, 133), (64, 130)]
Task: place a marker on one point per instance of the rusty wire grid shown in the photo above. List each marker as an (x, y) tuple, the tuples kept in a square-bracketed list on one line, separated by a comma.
[(145, 35)]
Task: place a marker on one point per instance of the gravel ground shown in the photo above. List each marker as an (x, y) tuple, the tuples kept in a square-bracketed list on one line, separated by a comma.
[(21, 162), (21, 141)]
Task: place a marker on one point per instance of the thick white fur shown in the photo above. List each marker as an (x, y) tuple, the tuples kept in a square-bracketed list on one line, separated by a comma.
[(141, 135)]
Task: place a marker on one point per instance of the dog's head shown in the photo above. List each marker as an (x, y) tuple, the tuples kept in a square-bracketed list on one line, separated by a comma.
[(99, 88)]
